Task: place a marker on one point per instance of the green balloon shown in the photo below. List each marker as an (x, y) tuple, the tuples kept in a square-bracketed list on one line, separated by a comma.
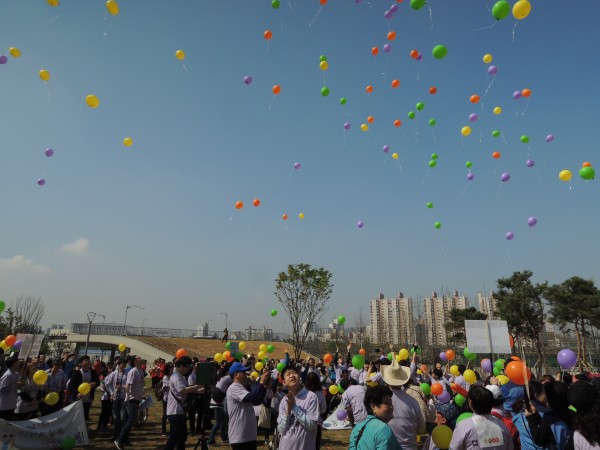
[(587, 173), (459, 399), (280, 367), (426, 388), (438, 225), (324, 91), (497, 371), (417, 4), (228, 345), (420, 106), (270, 348), (432, 163), (501, 9), (524, 139), (470, 356), (432, 122), (429, 205), (499, 363), (468, 164), (343, 101), (2, 306), (439, 51), (391, 356), (463, 416), (67, 443), (273, 312), (322, 58), (358, 362), (238, 355), (411, 115), (434, 156), (495, 133), (341, 320), (340, 390)]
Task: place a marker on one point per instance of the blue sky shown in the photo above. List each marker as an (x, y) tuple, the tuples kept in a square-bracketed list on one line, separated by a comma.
[(155, 224)]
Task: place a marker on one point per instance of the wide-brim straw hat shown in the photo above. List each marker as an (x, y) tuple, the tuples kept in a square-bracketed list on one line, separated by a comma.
[(395, 374)]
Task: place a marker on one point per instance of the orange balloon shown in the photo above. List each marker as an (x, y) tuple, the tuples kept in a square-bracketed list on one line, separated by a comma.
[(370, 119), (239, 205), (511, 340), (526, 92), (517, 372), (323, 2), (433, 90), (284, 217), (181, 353), (586, 164), (474, 98), (369, 89), (496, 155), (395, 83), (437, 389), (276, 89), (391, 36), (268, 35), (256, 202), (10, 340), (414, 54), (450, 355), (327, 358), (397, 123), (374, 51), (362, 351)]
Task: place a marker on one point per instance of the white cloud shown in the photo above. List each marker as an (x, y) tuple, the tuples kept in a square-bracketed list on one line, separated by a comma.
[(21, 263), (78, 247)]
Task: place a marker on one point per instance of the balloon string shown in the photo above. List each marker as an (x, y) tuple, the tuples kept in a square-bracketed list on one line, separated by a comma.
[(513, 34), (107, 30), (290, 5), (399, 165), (346, 112), (313, 21), (526, 106), (56, 17), (486, 28), (184, 68), (430, 16), (433, 133), (488, 88), (386, 65), (509, 255), (423, 180), (272, 100), (466, 187)]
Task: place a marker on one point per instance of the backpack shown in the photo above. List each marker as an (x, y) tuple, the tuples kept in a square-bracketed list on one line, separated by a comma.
[(158, 391)]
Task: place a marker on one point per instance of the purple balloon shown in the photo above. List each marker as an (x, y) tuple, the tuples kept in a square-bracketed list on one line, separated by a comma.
[(357, 1), (17, 345), (3, 59), (532, 221), (505, 177), (443, 357), (444, 397), (530, 163), (550, 138), (387, 48), (517, 95), (567, 358), (486, 365), (388, 14), (386, 149), (473, 117), (247, 79), (509, 236), (419, 57), (492, 70), (41, 182), (297, 165), (470, 176), (347, 126), (360, 224), (342, 414), (394, 8), (49, 152)]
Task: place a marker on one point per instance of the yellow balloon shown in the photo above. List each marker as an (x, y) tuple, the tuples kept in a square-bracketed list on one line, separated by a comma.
[(53, 2), (127, 142), (469, 376), (403, 354), (301, 215), (259, 366), (92, 101), (503, 379), (84, 388), (122, 347), (324, 65), (465, 131), (395, 155), (180, 54), (565, 175), (419, 372), (497, 110), (487, 58), (44, 75), (254, 374), (441, 436), (262, 347), (242, 345), (333, 389), (364, 127), (398, 359), (218, 357), (14, 52), (454, 370), (262, 355), (521, 9), (40, 377), (3, 345), (51, 398), (113, 7)]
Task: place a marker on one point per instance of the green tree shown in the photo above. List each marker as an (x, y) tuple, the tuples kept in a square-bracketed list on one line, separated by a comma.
[(575, 302), (303, 292), (455, 327), (520, 303)]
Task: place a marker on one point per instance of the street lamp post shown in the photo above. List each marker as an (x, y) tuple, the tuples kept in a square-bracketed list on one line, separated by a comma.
[(225, 314), (91, 316), (143, 322), (125, 322)]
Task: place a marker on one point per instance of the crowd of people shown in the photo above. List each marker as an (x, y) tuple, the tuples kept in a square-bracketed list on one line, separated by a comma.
[(388, 403)]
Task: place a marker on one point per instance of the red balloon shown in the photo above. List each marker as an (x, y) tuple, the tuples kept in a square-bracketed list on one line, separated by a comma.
[(327, 358), (362, 351), (432, 90), (374, 51), (256, 202), (10, 340)]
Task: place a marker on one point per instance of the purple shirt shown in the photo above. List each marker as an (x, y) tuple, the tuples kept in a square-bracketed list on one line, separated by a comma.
[(299, 429)]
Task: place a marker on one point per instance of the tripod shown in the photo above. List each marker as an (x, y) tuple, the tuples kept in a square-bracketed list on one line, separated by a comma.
[(203, 440)]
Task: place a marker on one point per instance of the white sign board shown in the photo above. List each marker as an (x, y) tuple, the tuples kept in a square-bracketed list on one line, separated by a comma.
[(32, 343), (487, 336)]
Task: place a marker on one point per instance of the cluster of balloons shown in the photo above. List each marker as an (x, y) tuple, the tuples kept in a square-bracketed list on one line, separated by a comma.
[(240, 204), (520, 10), (11, 341)]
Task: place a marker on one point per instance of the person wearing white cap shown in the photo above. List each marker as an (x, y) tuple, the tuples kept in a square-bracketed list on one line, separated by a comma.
[(408, 422)]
